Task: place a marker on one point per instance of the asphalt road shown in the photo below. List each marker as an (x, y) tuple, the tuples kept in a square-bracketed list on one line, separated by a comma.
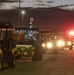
[(61, 63)]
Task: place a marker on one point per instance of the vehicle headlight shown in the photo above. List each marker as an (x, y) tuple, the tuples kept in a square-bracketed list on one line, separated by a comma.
[(60, 43), (49, 45), (69, 43), (43, 45)]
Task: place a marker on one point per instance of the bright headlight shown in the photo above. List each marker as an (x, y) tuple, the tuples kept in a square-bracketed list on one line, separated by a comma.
[(49, 45), (60, 43), (43, 45), (69, 43)]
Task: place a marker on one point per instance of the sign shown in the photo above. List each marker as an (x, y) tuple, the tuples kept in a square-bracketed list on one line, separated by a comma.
[(31, 19)]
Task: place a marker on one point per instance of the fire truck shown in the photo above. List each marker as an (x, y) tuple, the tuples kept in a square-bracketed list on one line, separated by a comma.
[(7, 58)]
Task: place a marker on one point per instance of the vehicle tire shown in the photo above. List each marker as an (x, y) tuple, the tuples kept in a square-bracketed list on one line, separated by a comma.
[(38, 54), (12, 62)]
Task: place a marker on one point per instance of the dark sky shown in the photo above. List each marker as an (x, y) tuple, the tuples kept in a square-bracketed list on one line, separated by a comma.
[(48, 19), (53, 18)]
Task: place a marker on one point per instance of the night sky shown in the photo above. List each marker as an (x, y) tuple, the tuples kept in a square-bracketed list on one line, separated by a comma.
[(46, 18)]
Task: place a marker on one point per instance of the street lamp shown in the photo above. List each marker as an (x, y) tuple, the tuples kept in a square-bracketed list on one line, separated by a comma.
[(22, 12)]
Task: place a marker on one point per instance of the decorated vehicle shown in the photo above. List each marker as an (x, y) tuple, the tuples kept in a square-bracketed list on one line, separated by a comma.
[(26, 44)]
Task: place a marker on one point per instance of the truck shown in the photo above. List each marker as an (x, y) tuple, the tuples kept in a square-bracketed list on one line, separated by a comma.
[(7, 58)]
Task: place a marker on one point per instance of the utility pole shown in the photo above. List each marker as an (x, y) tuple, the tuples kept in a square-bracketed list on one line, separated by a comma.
[(19, 13)]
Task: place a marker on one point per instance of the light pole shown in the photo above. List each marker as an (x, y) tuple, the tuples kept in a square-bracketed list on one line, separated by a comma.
[(22, 12), (19, 13)]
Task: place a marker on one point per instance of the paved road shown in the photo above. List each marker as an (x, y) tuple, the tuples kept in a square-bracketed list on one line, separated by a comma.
[(52, 64)]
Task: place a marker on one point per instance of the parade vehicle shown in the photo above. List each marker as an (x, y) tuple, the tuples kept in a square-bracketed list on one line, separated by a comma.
[(25, 43), (7, 58), (28, 43), (51, 40), (69, 39), (71, 34)]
